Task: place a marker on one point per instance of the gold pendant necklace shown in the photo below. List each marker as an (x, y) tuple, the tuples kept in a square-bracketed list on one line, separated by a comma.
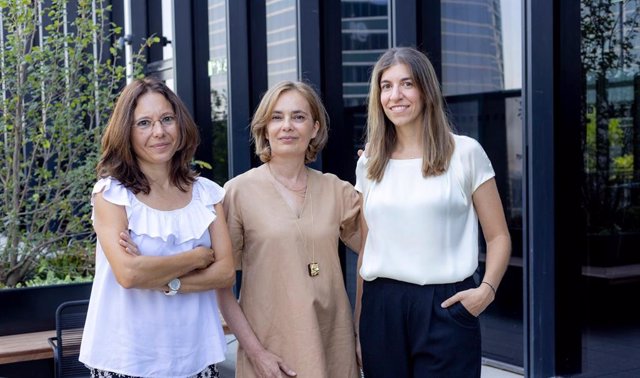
[(313, 267)]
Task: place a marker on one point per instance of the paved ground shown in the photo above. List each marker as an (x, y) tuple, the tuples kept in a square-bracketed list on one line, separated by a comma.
[(227, 369)]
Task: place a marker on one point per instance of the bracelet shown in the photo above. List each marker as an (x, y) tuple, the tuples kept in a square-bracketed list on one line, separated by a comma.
[(490, 285)]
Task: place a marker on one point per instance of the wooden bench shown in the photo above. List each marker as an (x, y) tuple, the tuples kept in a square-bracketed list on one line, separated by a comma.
[(25, 347), (35, 346)]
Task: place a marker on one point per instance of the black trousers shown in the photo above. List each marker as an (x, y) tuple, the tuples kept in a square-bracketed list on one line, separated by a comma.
[(404, 332)]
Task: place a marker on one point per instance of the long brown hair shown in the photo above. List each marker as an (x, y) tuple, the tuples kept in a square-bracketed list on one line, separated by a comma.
[(262, 116), (118, 159), (437, 141)]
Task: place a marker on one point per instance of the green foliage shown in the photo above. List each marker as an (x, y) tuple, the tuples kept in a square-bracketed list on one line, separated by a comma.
[(603, 47), (73, 265), (59, 91), (623, 163), (202, 164), (616, 138)]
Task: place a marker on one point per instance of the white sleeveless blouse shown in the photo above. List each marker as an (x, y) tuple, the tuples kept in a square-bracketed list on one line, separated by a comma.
[(142, 332)]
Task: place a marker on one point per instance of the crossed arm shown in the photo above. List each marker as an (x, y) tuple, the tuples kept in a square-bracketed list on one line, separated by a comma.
[(198, 269)]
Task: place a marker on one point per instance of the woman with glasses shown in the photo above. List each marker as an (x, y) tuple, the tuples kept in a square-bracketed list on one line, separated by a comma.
[(153, 309)]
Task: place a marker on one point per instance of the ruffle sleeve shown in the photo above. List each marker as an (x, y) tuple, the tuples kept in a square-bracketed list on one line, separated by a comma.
[(208, 192), (112, 191)]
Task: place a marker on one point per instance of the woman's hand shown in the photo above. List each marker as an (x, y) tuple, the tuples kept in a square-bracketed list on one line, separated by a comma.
[(268, 365), (129, 246), (207, 255), (365, 152), (474, 300)]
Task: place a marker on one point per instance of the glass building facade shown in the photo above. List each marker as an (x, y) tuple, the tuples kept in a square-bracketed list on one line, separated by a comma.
[(577, 164), (551, 89)]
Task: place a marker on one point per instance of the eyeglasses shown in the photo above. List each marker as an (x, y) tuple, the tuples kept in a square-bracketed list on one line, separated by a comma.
[(147, 123)]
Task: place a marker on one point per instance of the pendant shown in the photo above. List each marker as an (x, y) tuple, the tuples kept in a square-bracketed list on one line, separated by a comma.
[(314, 269)]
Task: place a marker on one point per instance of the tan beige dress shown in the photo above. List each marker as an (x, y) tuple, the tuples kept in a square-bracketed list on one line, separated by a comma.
[(305, 320)]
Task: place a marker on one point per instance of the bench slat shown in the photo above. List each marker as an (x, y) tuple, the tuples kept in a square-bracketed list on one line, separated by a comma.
[(26, 347)]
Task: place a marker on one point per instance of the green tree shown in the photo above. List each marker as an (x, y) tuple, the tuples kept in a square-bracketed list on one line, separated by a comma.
[(59, 79)]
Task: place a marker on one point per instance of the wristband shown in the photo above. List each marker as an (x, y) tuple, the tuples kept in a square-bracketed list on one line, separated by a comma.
[(490, 285)]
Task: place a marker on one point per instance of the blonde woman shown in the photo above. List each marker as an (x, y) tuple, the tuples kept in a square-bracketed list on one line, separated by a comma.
[(285, 220)]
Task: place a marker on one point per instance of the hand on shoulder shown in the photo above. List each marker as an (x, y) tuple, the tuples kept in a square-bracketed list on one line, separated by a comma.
[(365, 151)]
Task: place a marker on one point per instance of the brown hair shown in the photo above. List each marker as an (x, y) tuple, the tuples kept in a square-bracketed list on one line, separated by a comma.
[(118, 159), (438, 144), (262, 116)]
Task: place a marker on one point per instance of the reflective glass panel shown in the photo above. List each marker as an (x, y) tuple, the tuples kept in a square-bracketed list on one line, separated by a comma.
[(472, 46), (365, 35), (481, 79), (611, 188), (282, 41), (218, 76)]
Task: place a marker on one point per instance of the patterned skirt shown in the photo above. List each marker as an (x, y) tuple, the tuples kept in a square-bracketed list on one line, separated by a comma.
[(210, 371)]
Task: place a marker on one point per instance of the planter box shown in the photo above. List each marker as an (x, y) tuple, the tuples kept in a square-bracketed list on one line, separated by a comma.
[(613, 249), (33, 309)]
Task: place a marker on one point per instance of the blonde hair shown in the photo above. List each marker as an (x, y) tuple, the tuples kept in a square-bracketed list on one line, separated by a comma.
[(437, 139), (262, 116)]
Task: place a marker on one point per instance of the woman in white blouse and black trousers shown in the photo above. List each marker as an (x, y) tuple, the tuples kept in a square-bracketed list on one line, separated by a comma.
[(424, 190)]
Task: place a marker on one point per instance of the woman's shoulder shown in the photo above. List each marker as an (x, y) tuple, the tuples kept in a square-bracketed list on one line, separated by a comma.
[(466, 145), (207, 183), (244, 178), (329, 181), (325, 177), (112, 190), (208, 191), (465, 141), (105, 183)]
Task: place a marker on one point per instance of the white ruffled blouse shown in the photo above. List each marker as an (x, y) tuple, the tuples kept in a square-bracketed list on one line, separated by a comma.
[(142, 332)]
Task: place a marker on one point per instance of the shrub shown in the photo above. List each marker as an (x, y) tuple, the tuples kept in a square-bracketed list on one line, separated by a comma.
[(59, 79)]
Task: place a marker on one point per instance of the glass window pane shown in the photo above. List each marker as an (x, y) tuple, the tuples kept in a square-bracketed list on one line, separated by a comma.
[(365, 35), (472, 46), (167, 29), (611, 188), (282, 41), (482, 88), (218, 76)]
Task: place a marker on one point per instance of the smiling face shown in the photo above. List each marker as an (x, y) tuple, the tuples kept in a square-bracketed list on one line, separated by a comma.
[(155, 132), (291, 126), (400, 97)]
